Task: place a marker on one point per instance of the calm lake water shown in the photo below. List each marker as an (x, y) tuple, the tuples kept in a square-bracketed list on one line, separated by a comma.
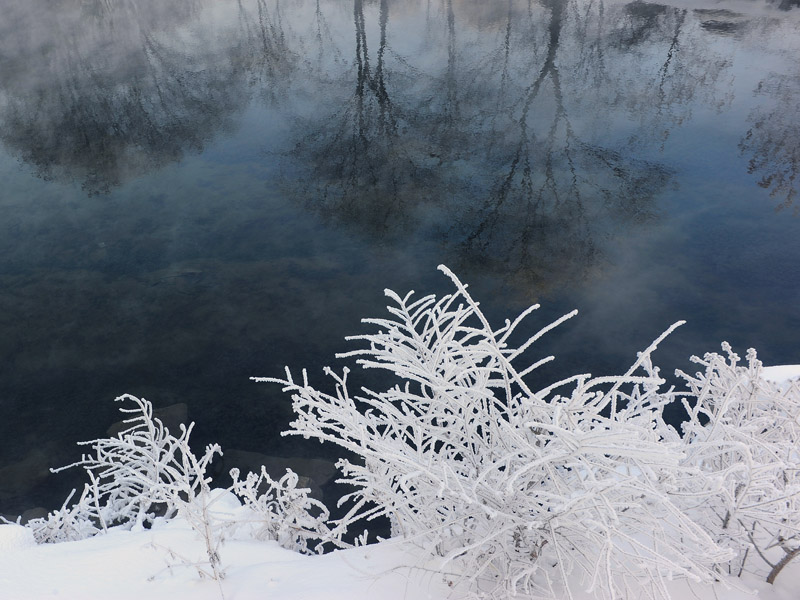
[(195, 192)]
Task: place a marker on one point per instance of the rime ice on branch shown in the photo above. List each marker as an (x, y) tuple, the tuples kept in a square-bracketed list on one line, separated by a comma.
[(502, 481), (742, 442)]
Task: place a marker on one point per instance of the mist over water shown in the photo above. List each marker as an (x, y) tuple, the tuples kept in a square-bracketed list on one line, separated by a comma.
[(195, 192)]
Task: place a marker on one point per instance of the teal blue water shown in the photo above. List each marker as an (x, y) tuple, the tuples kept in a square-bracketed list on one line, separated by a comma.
[(194, 192)]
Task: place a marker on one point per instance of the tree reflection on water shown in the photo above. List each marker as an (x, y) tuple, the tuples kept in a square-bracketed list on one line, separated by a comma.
[(499, 145), (497, 115), (104, 92), (773, 140), (516, 140)]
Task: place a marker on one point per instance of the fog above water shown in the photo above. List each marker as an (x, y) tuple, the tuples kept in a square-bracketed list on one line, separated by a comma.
[(196, 192)]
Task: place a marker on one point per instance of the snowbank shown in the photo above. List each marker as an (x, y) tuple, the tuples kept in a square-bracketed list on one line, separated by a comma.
[(781, 373), (126, 565)]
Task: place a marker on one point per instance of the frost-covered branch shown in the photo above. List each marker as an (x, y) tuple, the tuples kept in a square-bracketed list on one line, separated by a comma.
[(742, 441), (283, 512), (142, 469), (473, 465)]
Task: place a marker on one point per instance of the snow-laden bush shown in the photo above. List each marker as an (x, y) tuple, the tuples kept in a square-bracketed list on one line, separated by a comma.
[(145, 472), (140, 473), (71, 522), (743, 441), (499, 479), (286, 513)]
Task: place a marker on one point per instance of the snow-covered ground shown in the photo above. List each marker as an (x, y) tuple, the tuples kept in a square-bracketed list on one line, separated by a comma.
[(124, 565), (132, 565), (781, 373)]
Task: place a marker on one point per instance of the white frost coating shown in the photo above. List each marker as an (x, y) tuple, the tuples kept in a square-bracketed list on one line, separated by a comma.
[(15, 537), (741, 443), (577, 488), (502, 481)]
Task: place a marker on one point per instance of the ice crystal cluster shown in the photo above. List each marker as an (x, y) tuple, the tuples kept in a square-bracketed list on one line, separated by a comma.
[(519, 489), (145, 473), (516, 489), (742, 442)]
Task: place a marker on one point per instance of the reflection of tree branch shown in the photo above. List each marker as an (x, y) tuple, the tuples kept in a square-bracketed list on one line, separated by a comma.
[(774, 139), (623, 56), (501, 168), (104, 116), (273, 42), (664, 72), (494, 206), (357, 164), (536, 226), (264, 49)]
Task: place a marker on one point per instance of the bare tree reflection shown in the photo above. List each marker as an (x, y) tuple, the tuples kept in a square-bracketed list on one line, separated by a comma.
[(363, 171), (773, 142), (107, 91), (544, 220), (484, 152), (651, 61), (264, 49), (493, 144)]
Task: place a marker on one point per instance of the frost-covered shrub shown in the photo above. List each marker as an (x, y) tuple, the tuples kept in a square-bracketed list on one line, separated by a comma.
[(742, 440), (505, 481), (284, 512), (69, 523), (142, 471)]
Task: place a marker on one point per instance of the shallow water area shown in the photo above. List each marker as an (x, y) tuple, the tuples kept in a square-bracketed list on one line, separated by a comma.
[(195, 192)]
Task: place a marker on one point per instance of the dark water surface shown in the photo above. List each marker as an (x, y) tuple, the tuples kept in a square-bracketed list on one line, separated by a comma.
[(194, 192)]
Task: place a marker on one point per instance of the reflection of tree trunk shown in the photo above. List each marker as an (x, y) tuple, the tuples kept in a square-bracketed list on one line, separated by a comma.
[(448, 127), (366, 81), (506, 50), (664, 74), (520, 164), (450, 77), (319, 18), (388, 125), (556, 8), (362, 56), (362, 65)]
